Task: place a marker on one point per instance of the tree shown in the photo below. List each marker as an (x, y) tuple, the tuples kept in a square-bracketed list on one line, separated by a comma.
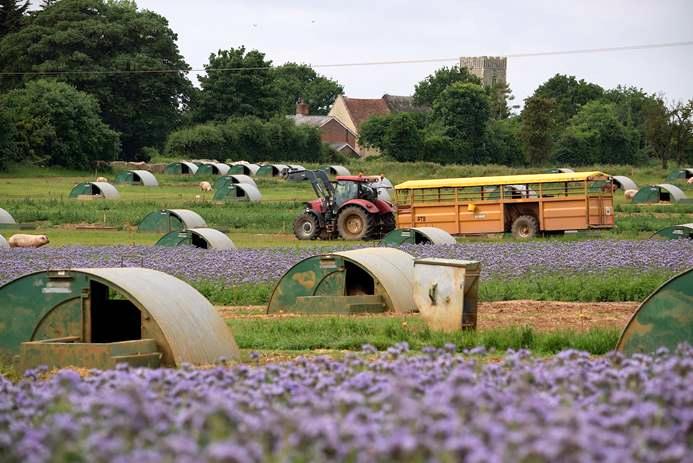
[(503, 144), (569, 94), (681, 131), (372, 131), (8, 136), (58, 124), (429, 89), (83, 36), (11, 16), (299, 81), (246, 90), (536, 129), (463, 110), (499, 95), (402, 140), (596, 136), (658, 132)]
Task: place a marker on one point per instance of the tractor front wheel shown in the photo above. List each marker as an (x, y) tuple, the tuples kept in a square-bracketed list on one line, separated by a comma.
[(306, 227), (389, 223), (525, 227), (354, 223)]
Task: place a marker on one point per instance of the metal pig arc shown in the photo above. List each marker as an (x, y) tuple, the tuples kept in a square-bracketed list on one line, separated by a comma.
[(418, 235), (184, 323), (664, 319)]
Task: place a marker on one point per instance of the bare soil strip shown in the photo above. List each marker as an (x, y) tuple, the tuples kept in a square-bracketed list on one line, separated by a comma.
[(540, 315)]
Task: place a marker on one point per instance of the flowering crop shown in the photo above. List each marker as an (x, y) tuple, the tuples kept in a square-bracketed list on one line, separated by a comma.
[(438, 406), (241, 266)]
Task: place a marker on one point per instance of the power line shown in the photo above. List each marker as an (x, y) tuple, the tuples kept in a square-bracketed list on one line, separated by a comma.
[(354, 64)]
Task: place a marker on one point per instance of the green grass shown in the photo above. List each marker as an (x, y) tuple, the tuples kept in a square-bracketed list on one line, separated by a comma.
[(351, 332)]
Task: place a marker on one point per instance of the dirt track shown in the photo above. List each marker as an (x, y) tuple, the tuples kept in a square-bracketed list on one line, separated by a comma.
[(541, 315)]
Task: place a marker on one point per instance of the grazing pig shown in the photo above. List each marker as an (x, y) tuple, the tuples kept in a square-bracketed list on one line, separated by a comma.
[(690, 181), (27, 241), (630, 194), (101, 179), (205, 186)]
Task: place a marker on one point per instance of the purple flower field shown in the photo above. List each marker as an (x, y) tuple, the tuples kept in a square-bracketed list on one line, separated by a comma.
[(507, 259), (393, 406)]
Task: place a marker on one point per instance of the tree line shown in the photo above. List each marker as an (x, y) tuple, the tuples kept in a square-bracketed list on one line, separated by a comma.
[(566, 121), (76, 88)]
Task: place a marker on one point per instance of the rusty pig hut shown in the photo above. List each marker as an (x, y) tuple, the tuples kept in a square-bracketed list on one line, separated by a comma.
[(98, 317), (168, 220), (94, 190), (137, 177), (361, 280), (664, 319), (204, 238)]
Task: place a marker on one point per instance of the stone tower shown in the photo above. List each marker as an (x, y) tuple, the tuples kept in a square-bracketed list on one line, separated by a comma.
[(490, 69)]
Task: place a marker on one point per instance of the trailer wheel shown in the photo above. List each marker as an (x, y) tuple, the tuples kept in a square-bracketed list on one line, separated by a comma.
[(306, 227), (525, 227), (354, 223)]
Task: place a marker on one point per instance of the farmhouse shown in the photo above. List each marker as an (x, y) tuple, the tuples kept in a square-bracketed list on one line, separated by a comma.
[(332, 131)]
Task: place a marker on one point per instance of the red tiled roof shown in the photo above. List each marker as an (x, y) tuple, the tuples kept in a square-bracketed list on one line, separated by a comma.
[(361, 109)]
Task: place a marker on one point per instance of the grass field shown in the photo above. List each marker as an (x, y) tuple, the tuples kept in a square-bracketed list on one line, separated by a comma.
[(40, 196)]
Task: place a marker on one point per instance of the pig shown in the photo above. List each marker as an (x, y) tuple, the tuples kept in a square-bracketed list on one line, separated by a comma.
[(101, 179), (27, 241), (205, 186), (629, 194), (690, 181)]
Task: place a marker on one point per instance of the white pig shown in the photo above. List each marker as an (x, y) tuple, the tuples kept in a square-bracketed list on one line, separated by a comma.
[(629, 194), (205, 186), (27, 241), (101, 179)]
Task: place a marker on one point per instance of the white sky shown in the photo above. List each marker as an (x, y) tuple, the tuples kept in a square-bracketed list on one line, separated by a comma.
[(327, 31)]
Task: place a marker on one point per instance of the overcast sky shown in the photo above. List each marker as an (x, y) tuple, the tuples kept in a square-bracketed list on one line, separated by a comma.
[(325, 31)]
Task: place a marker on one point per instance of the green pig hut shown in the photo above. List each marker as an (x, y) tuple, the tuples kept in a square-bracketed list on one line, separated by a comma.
[(232, 179), (99, 317), (271, 170), (244, 169), (661, 193), (94, 190), (204, 238), (213, 168), (362, 280), (237, 192), (418, 235), (680, 174), (137, 177), (664, 319), (181, 168), (675, 232), (168, 220)]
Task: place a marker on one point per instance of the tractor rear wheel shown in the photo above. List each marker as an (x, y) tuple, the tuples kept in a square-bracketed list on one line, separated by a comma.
[(354, 223), (388, 223), (306, 227), (525, 227)]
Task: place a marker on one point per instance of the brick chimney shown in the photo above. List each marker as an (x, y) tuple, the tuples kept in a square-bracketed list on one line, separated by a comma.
[(302, 108)]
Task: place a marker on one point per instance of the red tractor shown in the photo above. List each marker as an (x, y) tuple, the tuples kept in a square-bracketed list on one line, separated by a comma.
[(349, 208)]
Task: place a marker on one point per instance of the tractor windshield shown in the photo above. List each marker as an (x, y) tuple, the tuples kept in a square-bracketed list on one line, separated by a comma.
[(344, 191)]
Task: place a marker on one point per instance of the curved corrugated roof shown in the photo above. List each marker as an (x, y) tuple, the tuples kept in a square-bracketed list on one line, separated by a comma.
[(498, 180), (676, 193), (625, 183), (393, 268), (215, 238), (3, 243), (192, 327), (189, 218), (240, 178), (146, 177), (436, 235), (107, 190), (251, 191), (6, 217), (337, 170)]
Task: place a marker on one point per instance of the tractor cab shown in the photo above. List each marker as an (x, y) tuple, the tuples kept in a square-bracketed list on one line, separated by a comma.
[(354, 187)]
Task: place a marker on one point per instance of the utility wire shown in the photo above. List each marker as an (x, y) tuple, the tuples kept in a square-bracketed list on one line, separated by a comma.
[(355, 64)]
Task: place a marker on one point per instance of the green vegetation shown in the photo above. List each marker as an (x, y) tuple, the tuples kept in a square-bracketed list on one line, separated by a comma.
[(350, 333)]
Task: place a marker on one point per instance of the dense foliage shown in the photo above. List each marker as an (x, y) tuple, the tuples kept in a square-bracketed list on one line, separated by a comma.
[(101, 38), (387, 406), (294, 82), (248, 138), (52, 123)]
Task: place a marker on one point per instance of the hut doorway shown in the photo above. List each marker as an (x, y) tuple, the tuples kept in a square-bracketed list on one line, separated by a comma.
[(112, 318)]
